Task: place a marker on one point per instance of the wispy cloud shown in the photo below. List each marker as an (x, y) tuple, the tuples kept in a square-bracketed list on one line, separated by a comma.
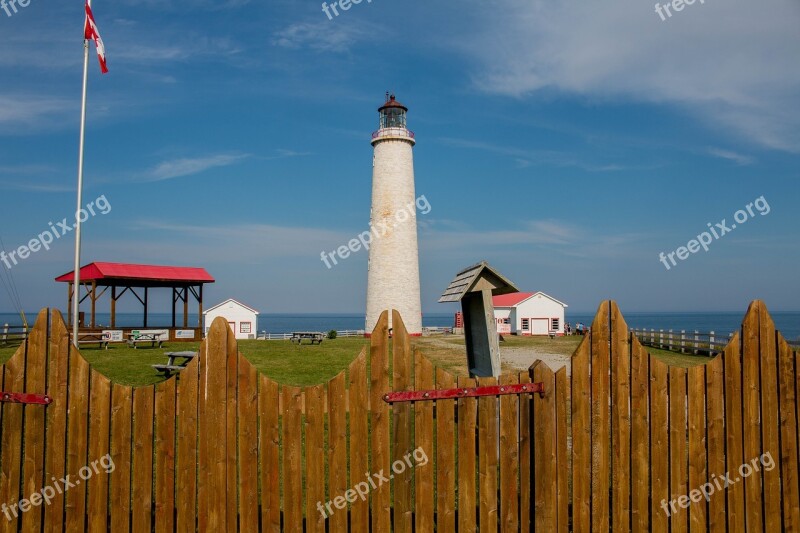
[(322, 36), (524, 158), (737, 158), (186, 166), (695, 60)]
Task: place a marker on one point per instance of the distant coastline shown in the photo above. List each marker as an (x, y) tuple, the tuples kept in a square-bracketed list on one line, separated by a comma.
[(721, 323)]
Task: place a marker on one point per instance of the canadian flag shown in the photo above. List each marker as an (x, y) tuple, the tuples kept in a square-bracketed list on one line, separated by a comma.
[(90, 31)]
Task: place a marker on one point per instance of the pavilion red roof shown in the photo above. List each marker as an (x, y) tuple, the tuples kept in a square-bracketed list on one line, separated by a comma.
[(125, 271)]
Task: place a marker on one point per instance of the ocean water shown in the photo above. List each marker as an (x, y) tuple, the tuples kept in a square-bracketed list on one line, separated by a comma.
[(269, 322), (721, 323), (788, 323)]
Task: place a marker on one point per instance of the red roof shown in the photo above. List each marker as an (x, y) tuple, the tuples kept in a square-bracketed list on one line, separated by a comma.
[(100, 271), (391, 102), (510, 300)]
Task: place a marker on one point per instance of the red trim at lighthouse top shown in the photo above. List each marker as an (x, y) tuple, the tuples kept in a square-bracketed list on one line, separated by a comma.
[(391, 102)]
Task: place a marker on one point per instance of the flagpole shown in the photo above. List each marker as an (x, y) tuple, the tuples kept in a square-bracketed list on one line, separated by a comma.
[(76, 291)]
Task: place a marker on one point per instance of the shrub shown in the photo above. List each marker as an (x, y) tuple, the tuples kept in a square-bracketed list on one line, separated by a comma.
[(332, 334)]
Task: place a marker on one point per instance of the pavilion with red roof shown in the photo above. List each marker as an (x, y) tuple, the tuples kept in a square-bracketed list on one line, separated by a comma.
[(124, 277)]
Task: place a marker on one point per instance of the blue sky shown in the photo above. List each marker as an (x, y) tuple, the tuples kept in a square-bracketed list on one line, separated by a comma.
[(568, 143)]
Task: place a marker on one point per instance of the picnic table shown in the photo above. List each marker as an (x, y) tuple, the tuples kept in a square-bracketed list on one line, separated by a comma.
[(314, 336), (172, 366), (92, 338), (152, 338)]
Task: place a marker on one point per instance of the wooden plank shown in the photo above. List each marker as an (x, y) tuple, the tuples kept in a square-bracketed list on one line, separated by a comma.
[(358, 396), (509, 456), (33, 441), (77, 444), (99, 446), (751, 419), (121, 437), (247, 414), (57, 381), (142, 474), (562, 453), (544, 450), (678, 459), (487, 458), (402, 426), (698, 473), (186, 471), (715, 429), (640, 438), (620, 422), (423, 427), (659, 442), (770, 443), (269, 452), (212, 458), (467, 421), (525, 478), (445, 456), (337, 452), (379, 422), (11, 464), (315, 459), (292, 440), (787, 375), (231, 408), (165, 456), (734, 433), (581, 394), (601, 419)]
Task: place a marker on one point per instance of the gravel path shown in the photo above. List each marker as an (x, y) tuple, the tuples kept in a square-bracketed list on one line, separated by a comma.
[(523, 358)]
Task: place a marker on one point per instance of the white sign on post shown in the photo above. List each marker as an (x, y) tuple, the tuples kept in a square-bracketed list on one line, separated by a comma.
[(112, 335)]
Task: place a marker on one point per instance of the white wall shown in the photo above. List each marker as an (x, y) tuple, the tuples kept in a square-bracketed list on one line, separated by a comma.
[(539, 307), (234, 315)]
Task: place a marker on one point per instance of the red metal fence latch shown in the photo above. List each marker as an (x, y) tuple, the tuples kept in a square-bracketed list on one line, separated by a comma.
[(471, 392), (24, 397)]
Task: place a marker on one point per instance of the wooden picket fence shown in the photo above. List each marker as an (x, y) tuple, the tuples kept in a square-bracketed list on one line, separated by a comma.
[(223, 448)]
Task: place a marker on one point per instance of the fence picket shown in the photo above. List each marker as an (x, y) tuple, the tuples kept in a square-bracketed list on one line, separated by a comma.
[(337, 452), (445, 456), (467, 421), (751, 403), (789, 436), (423, 426), (97, 484), (358, 392), (509, 457)]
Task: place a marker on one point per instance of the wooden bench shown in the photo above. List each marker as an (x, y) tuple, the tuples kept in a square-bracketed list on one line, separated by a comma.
[(152, 339), (315, 337), (93, 338), (171, 365)]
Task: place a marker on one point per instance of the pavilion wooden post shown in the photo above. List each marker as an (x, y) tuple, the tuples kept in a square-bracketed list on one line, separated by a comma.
[(113, 306), (186, 307), (145, 307), (93, 297), (174, 299), (69, 303), (200, 309)]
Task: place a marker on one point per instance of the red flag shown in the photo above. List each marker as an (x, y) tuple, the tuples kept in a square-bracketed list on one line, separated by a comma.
[(90, 31)]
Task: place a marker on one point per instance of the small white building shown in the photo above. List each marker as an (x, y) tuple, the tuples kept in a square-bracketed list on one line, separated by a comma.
[(528, 313), (242, 319)]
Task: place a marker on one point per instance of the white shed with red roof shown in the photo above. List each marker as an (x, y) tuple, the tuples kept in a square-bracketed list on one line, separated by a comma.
[(528, 313)]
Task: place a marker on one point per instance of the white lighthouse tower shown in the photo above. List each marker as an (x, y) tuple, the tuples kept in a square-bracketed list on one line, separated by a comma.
[(393, 271)]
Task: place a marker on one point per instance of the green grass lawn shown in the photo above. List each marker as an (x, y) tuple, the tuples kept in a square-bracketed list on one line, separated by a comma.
[(312, 364)]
